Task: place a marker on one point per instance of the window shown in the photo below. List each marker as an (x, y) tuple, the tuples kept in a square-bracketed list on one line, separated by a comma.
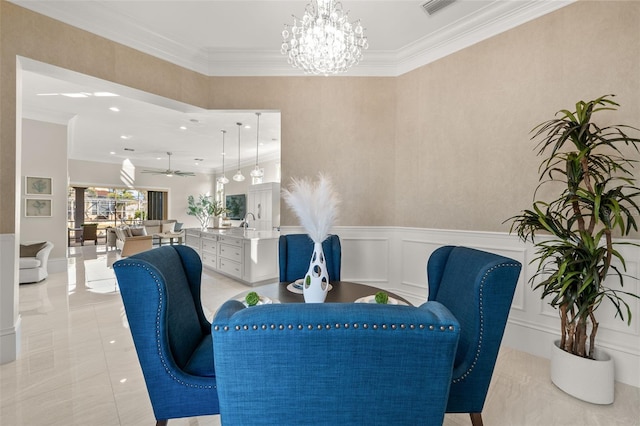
[(105, 206)]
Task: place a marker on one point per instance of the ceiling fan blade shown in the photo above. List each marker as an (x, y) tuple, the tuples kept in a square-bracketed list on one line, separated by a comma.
[(169, 172)]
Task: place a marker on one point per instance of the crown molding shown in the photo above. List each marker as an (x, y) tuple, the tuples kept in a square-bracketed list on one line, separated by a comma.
[(495, 18), (484, 24)]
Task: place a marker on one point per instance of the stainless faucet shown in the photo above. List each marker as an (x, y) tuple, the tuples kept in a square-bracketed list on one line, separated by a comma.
[(245, 224)]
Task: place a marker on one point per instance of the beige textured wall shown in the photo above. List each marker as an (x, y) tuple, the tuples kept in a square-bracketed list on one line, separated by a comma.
[(444, 146), (463, 122), (24, 33), (343, 127)]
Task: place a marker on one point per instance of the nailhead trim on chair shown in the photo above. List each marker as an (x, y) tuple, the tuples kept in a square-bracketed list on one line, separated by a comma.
[(158, 346), (311, 327), (479, 347)]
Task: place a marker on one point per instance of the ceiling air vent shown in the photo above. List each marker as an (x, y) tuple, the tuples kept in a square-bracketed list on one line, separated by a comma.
[(433, 6)]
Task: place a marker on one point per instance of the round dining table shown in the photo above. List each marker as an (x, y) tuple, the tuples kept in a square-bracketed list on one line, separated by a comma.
[(340, 292)]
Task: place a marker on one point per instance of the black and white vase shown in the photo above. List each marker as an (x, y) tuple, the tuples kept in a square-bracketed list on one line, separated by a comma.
[(316, 281)]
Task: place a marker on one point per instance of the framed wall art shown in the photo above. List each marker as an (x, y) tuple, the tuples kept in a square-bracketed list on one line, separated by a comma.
[(38, 185), (37, 207)]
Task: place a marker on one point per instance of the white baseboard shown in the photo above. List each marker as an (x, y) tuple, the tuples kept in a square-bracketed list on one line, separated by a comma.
[(10, 342), (9, 316)]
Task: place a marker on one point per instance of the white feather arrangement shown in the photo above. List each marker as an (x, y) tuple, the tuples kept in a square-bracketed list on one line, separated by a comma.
[(315, 204)]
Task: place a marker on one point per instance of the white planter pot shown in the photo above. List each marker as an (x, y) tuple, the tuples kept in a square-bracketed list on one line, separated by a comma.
[(590, 380)]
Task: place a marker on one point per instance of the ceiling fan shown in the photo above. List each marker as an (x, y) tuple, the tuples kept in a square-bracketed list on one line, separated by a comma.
[(169, 172)]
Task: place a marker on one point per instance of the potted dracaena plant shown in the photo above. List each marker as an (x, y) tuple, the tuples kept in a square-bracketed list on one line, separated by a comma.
[(595, 203), (204, 208)]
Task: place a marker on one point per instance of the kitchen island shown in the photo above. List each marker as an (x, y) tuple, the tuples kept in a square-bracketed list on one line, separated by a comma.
[(248, 256)]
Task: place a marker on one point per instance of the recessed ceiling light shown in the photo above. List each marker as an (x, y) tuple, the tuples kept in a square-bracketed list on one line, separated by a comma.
[(183, 127), (247, 127), (104, 94), (125, 137), (114, 109), (112, 153)]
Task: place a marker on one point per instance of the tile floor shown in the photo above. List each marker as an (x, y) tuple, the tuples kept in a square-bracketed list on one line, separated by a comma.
[(78, 365)]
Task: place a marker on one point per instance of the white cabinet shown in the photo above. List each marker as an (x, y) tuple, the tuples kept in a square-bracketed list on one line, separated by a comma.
[(251, 257), (209, 250), (230, 255), (192, 239), (260, 260), (263, 201)]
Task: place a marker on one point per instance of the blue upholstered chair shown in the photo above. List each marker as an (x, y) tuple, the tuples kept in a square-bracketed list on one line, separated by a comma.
[(478, 288), (160, 289), (333, 363), (295, 252)]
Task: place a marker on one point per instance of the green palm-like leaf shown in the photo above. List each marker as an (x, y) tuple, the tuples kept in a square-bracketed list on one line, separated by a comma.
[(600, 197)]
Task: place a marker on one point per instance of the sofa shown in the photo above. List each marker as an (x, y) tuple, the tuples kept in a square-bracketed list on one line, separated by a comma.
[(33, 261), (131, 240), (171, 227)]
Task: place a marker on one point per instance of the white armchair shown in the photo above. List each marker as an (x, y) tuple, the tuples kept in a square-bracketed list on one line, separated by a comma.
[(33, 261)]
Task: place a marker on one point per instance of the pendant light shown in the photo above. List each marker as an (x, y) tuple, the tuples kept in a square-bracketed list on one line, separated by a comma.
[(223, 179), (238, 177), (257, 173)]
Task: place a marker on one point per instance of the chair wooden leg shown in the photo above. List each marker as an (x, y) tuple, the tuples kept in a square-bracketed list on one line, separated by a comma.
[(162, 422), (476, 419)]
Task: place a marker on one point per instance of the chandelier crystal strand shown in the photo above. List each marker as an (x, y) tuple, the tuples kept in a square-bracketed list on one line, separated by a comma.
[(238, 177), (223, 179), (257, 172), (324, 41)]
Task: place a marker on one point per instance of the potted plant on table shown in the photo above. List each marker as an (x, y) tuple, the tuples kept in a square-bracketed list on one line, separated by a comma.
[(204, 208), (596, 199)]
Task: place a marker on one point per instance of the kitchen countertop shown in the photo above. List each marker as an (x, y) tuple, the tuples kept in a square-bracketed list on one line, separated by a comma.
[(241, 233)]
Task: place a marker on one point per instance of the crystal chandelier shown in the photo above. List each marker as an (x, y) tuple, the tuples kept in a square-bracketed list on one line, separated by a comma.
[(238, 177), (257, 173), (223, 179), (324, 41)]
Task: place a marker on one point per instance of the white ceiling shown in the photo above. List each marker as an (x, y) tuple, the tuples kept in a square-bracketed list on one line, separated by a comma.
[(151, 125), (237, 37)]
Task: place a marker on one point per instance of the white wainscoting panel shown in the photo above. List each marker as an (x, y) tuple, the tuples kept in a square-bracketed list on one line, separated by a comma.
[(10, 321), (395, 259), (365, 259)]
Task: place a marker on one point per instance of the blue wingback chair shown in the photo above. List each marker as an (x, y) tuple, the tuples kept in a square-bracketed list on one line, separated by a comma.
[(478, 288), (160, 289), (295, 252), (333, 363)]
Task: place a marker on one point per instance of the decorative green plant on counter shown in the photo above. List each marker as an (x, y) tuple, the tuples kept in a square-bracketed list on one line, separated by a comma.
[(598, 197), (204, 208)]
